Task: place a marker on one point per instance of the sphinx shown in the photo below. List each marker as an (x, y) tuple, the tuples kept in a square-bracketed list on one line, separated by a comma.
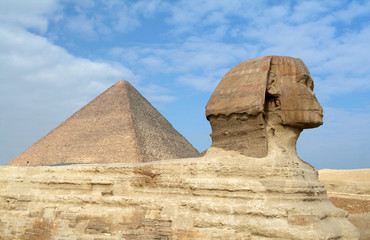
[(263, 103), (250, 184)]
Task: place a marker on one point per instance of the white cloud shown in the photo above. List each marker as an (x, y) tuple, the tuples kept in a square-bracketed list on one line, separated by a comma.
[(82, 26), (161, 98), (190, 14), (157, 94), (353, 10), (195, 62), (83, 4), (314, 31), (28, 13), (307, 11), (92, 20), (148, 8), (154, 62), (125, 20), (42, 84), (199, 82), (304, 29), (31, 58)]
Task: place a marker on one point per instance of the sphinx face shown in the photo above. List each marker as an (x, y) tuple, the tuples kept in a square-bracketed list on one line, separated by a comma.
[(275, 89), (296, 103)]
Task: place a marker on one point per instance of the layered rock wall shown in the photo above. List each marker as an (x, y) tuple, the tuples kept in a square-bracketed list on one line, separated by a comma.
[(220, 196)]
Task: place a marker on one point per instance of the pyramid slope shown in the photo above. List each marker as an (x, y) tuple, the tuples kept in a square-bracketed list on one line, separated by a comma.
[(109, 129), (156, 136)]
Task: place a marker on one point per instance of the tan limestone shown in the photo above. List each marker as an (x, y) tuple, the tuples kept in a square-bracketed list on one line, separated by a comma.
[(258, 92), (222, 195)]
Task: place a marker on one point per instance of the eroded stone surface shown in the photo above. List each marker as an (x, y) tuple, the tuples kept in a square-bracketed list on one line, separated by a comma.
[(257, 93), (290, 98), (222, 195)]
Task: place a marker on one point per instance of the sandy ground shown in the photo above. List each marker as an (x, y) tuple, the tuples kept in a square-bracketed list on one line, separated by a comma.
[(350, 190)]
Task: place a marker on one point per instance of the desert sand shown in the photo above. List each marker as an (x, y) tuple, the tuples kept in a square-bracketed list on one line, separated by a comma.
[(350, 190)]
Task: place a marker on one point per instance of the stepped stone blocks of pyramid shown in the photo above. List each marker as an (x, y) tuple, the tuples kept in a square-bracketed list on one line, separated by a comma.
[(119, 125), (249, 185)]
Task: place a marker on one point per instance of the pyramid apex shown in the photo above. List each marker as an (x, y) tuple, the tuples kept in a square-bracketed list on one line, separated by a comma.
[(122, 83), (119, 125)]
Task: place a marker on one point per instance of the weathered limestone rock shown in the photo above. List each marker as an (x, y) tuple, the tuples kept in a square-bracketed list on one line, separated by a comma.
[(120, 125), (259, 93), (229, 193), (350, 190), (235, 109), (223, 195)]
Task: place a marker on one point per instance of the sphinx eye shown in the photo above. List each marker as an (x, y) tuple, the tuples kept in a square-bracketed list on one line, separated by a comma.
[(307, 81), (304, 79)]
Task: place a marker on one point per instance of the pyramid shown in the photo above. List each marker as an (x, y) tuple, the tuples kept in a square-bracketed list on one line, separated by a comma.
[(118, 126)]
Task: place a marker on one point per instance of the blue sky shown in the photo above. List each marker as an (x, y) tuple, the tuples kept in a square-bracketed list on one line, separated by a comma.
[(56, 56)]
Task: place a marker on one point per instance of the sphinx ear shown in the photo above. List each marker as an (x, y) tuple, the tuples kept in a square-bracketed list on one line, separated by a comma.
[(272, 85)]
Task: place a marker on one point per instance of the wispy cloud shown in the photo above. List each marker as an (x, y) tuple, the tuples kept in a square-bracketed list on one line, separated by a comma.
[(91, 20), (315, 31), (209, 60), (82, 26), (42, 83), (157, 94), (28, 14), (30, 58)]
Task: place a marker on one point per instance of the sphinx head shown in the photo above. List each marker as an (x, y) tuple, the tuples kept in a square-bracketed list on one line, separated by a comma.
[(268, 91), (289, 94)]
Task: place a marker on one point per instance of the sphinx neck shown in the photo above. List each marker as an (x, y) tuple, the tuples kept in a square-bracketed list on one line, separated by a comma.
[(282, 139)]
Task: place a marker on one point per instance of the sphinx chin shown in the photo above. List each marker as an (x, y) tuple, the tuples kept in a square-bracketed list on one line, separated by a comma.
[(315, 120)]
